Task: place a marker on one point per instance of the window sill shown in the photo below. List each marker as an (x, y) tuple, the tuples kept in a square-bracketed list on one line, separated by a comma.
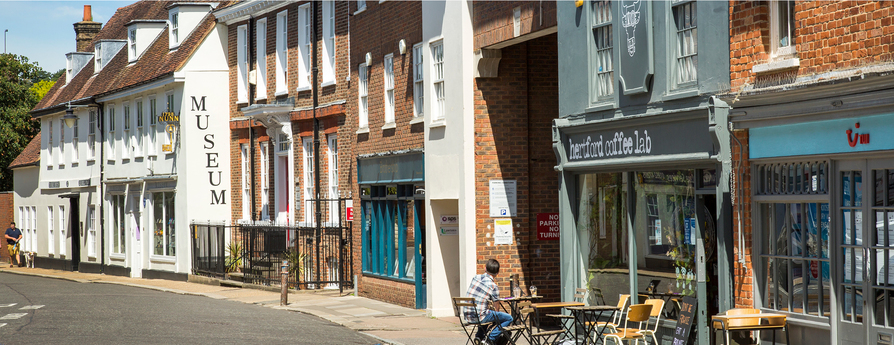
[(163, 259), (438, 123), (117, 257), (363, 130), (359, 11), (91, 160), (776, 66), (601, 106), (327, 83), (390, 125), (261, 98), (417, 119), (303, 88), (680, 94), (281, 93), (393, 278), (241, 102)]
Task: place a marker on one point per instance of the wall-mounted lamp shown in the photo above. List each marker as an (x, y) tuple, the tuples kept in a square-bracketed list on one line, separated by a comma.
[(70, 117), (369, 59), (402, 46)]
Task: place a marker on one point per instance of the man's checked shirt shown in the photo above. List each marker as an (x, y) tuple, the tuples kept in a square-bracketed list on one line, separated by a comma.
[(483, 289)]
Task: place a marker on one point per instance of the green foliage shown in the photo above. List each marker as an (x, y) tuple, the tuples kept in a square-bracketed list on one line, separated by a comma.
[(41, 88), (296, 263), (17, 127), (234, 256)]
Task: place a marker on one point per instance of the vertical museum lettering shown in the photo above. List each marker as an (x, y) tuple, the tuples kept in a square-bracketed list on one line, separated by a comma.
[(211, 155)]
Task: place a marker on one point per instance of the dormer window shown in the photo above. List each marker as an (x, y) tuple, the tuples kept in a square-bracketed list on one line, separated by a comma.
[(175, 38), (141, 34), (97, 60), (183, 18), (132, 44), (104, 50)]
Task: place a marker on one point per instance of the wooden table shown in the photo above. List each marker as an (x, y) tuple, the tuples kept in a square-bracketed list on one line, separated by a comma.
[(766, 321), (582, 314)]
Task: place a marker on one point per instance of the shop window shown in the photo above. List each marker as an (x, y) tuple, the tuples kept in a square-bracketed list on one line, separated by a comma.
[(164, 235), (388, 231), (118, 224), (603, 233), (62, 229), (51, 240)]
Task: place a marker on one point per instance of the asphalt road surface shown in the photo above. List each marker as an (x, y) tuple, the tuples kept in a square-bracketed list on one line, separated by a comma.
[(36, 310)]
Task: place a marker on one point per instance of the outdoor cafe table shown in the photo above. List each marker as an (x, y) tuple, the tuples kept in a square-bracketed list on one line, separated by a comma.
[(767, 321), (543, 305), (670, 308), (589, 312), (513, 304)]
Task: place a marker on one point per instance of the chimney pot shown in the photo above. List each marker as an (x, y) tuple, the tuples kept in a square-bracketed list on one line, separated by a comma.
[(88, 14)]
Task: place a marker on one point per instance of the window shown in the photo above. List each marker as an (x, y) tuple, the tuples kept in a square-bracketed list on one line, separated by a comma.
[(51, 225), (437, 55), (169, 135), (603, 58), (265, 182), (50, 144), (118, 223), (418, 84), (153, 125), (138, 146), (389, 88), (246, 182), (687, 42), (125, 151), (261, 60), (304, 58), (363, 115), (333, 179), (603, 222), (361, 5), (34, 227), (61, 142), (308, 179), (132, 43), (91, 231), (388, 231), (164, 234), (111, 111), (328, 42), (74, 141), (91, 135), (782, 28), (241, 64), (62, 228), (97, 57), (21, 222), (175, 28), (282, 56)]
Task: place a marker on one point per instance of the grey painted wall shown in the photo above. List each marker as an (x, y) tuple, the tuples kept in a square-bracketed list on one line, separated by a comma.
[(576, 50)]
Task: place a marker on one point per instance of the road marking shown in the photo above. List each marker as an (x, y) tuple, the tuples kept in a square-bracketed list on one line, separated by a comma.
[(31, 307), (8, 305), (2, 324), (13, 316)]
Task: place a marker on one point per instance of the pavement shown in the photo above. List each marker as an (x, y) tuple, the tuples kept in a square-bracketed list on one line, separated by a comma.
[(392, 324)]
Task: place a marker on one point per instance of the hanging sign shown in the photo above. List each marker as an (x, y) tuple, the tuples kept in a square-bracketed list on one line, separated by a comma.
[(349, 210)]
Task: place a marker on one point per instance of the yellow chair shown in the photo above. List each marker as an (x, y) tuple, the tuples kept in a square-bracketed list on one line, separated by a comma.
[(731, 325), (657, 308), (613, 324), (637, 313)]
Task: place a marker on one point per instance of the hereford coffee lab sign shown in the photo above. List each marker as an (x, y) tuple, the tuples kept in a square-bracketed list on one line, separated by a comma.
[(548, 226)]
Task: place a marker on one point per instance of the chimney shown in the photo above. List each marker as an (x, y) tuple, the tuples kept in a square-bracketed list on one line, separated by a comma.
[(86, 30)]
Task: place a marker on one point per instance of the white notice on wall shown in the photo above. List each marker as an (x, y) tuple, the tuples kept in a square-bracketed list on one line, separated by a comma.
[(502, 231), (503, 198)]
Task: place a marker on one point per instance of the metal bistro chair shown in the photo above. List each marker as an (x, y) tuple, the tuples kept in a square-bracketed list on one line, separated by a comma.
[(531, 327), (637, 313), (657, 308), (469, 326), (597, 295), (567, 321), (613, 324)]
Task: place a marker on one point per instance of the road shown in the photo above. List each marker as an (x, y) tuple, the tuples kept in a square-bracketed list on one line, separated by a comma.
[(37, 310)]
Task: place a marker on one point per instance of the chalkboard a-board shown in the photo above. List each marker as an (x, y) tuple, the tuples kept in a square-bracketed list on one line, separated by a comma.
[(685, 320)]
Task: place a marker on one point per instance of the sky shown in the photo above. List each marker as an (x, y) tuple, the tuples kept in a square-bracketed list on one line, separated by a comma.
[(43, 31)]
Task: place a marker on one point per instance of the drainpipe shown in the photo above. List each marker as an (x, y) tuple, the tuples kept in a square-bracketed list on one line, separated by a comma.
[(319, 213), (251, 96)]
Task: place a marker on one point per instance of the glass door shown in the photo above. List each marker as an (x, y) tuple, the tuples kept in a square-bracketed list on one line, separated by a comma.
[(866, 288)]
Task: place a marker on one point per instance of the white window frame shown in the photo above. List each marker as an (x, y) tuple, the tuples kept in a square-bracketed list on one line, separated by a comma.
[(438, 92), (388, 74), (140, 132), (603, 84), (91, 231), (282, 53), (777, 49), (97, 58), (246, 181), (75, 157), (117, 219), (62, 143), (153, 126), (261, 59), (265, 181), (686, 43), (363, 96), (284, 177), (361, 6), (21, 223), (308, 154), (175, 29), (169, 241), (126, 123), (51, 225), (328, 43), (332, 153), (62, 229), (33, 228), (418, 82), (241, 64), (304, 54), (111, 140), (132, 44), (91, 135), (50, 150)]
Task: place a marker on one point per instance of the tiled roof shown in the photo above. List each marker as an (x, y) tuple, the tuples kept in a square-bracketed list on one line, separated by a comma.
[(29, 156), (156, 62)]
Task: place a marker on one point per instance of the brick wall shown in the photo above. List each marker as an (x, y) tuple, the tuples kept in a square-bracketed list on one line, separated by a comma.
[(7, 215), (744, 274), (377, 30), (513, 141), (829, 35), (493, 20)]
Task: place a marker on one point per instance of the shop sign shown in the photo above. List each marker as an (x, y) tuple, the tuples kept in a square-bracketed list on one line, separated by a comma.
[(449, 219), (635, 65), (857, 137), (448, 230), (349, 210), (645, 140), (548, 226), (823, 137), (211, 152)]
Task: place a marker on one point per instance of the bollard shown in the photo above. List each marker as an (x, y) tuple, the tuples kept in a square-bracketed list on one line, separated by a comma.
[(284, 299)]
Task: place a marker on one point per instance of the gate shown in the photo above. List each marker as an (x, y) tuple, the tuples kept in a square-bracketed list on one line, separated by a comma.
[(318, 257)]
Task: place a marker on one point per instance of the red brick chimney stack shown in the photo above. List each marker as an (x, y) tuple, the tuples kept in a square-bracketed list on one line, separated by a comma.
[(86, 30)]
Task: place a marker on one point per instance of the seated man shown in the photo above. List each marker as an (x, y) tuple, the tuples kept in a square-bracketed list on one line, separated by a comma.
[(483, 289)]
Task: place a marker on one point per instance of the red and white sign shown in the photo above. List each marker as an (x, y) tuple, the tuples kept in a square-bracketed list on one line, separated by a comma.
[(349, 210), (548, 226)]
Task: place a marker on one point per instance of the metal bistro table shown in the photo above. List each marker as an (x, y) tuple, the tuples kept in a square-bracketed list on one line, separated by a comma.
[(544, 305), (671, 302), (512, 302), (582, 314), (759, 322)]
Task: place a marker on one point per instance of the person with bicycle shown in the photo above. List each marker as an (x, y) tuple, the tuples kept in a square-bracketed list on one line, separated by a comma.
[(13, 235)]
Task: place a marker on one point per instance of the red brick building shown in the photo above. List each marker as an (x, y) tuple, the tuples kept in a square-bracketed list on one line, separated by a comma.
[(811, 105)]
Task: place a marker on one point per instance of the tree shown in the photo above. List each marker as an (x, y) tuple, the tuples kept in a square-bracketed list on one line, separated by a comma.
[(17, 128)]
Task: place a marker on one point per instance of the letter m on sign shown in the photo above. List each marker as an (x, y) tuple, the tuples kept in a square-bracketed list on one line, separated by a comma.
[(200, 104), (217, 199)]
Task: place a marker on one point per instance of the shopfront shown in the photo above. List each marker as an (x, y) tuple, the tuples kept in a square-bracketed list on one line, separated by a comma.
[(644, 210), (823, 201)]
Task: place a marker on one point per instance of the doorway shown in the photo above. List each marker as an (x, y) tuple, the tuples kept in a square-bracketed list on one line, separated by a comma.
[(74, 227), (136, 266), (865, 230)]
